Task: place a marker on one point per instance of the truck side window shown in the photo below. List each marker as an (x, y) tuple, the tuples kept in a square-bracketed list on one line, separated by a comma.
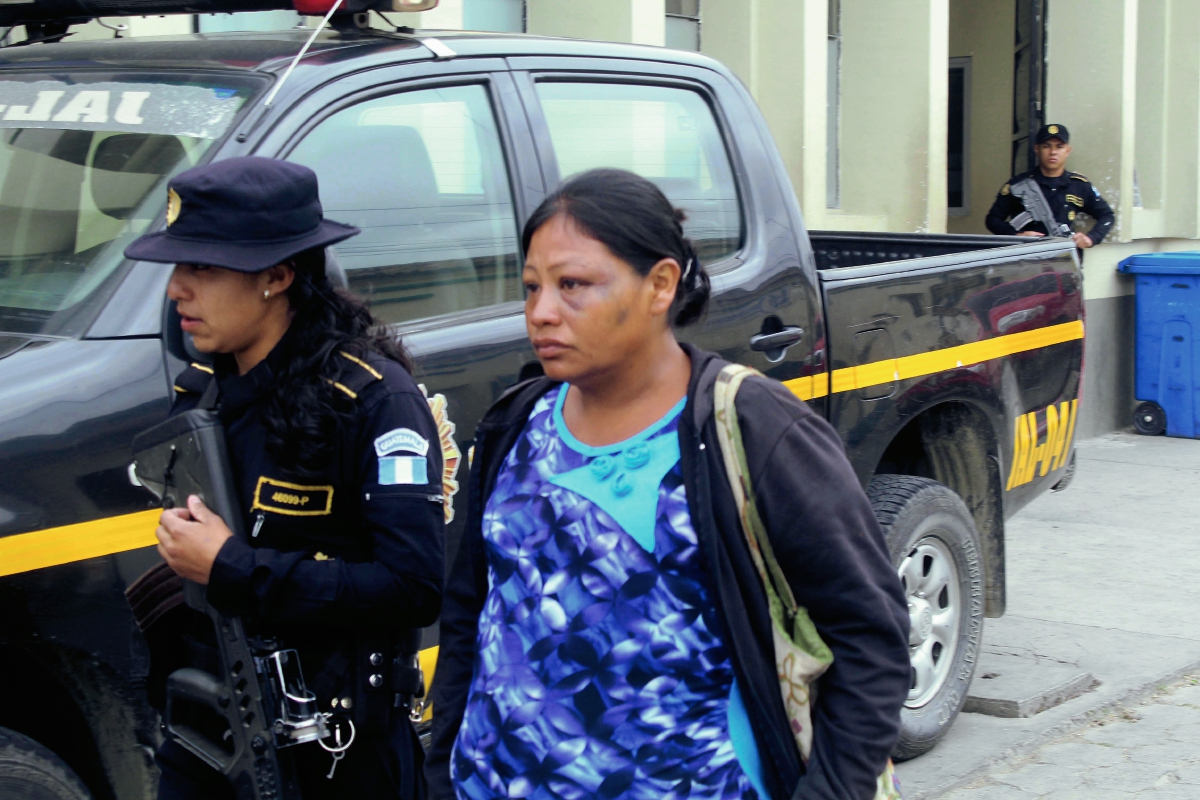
[(423, 175), (665, 134)]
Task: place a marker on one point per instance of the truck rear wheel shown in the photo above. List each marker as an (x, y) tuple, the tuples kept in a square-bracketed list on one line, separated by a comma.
[(937, 553), (31, 772)]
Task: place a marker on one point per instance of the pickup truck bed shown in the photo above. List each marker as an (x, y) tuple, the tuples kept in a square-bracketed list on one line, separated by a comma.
[(837, 249)]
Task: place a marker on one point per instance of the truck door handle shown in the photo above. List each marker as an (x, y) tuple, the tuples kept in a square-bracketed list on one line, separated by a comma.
[(774, 344)]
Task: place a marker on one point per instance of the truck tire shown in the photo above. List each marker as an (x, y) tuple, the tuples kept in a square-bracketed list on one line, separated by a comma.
[(937, 552), (31, 772)]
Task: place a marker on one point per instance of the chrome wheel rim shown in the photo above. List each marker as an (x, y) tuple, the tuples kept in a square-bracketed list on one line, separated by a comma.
[(931, 586)]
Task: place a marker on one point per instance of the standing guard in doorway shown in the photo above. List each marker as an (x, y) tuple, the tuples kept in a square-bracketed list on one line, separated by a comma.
[(1046, 201)]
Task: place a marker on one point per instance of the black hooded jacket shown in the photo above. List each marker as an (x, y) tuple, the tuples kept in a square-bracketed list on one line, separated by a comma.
[(826, 539)]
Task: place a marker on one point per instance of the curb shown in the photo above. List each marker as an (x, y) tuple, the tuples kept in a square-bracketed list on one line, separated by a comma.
[(1135, 695)]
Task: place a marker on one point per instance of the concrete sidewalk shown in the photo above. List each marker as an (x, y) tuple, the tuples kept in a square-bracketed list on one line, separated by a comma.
[(1102, 577)]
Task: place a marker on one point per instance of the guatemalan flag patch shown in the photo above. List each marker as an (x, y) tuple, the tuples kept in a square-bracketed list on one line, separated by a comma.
[(403, 470)]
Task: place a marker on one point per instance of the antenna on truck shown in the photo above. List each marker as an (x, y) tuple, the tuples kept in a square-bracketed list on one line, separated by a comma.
[(324, 21)]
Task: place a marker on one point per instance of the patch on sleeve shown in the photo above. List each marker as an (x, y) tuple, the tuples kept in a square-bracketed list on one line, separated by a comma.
[(401, 439), (1004, 189), (403, 470), (292, 499)]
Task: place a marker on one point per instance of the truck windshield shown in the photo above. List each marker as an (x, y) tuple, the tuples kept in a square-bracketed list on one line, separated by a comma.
[(83, 165)]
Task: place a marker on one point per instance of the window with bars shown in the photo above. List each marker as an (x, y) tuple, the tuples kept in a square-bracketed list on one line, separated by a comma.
[(958, 138), (683, 24)]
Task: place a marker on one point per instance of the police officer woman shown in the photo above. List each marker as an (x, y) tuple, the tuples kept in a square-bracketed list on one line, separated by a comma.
[(336, 460)]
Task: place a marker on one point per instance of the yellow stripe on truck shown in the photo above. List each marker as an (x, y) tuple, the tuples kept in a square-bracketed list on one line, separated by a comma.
[(917, 366), (101, 537), (428, 658)]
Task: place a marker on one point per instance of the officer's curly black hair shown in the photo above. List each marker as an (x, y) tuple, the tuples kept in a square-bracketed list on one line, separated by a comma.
[(305, 414)]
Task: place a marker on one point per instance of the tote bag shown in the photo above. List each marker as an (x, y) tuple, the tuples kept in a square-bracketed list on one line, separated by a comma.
[(800, 654)]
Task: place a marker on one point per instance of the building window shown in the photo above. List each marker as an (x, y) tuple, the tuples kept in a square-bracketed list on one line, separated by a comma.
[(683, 24), (833, 96), (504, 16), (958, 138)]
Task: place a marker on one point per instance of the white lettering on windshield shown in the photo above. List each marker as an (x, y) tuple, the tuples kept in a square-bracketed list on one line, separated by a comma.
[(129, 111), (87, 106), (40, 112), (202, 112)]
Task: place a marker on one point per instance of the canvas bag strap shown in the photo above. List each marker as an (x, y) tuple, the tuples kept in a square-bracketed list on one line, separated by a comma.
[(729, 434), (807, 654), (792, 617)]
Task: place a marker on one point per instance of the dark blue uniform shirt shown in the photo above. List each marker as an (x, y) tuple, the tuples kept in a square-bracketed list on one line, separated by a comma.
[(1068, 194), (356, 549)]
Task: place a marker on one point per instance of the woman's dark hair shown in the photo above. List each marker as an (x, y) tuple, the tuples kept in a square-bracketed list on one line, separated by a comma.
[(632, 218), (305, 413)]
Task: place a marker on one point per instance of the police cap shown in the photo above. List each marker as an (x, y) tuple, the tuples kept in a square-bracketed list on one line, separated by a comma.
[(246, 214), (1047, 132)]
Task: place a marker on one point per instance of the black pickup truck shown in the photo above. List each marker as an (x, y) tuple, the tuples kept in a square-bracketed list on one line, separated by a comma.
[(949, 364)]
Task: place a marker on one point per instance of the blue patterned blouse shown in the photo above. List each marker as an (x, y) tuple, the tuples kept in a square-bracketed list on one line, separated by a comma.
[(600, 672)]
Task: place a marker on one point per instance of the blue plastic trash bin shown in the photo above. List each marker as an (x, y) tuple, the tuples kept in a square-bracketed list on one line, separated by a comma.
[(1168, 341)]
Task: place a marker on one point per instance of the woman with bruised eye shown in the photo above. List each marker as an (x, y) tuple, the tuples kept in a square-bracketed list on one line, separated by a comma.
[(605, 633)]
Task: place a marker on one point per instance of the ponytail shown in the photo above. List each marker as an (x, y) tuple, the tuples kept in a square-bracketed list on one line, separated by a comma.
[(691, 297)]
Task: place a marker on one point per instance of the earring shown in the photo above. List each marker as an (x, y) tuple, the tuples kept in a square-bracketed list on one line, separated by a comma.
[(267, 294)]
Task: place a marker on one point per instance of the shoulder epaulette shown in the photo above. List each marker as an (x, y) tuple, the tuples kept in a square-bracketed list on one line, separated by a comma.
[(356, 375), (1075, 176), (194, 379)]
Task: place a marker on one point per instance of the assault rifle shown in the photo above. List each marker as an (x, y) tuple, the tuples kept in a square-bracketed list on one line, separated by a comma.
[(1037, 208), (235, 721)]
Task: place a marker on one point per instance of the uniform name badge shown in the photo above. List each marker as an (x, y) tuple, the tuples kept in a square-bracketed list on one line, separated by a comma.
[(403, 471)]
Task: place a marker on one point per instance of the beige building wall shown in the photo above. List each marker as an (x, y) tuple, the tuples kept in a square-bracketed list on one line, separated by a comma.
[(1181, 121), (447, 16), (636, 21), (1097, 104), (893, 115), (983, 31), (1167, 139), (777, 48)]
